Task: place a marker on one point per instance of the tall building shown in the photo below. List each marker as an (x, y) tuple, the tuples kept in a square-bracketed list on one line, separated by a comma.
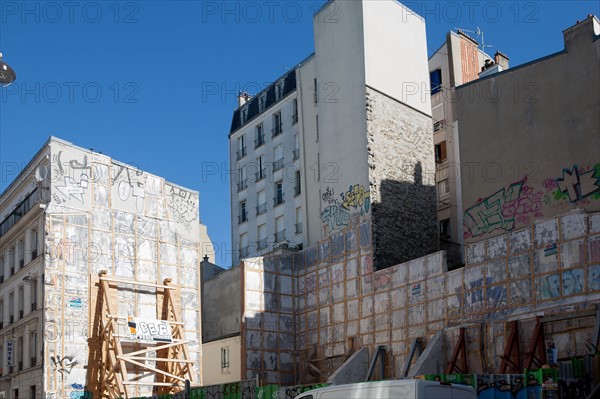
[(344, 137), (457, 61), (91, 251)]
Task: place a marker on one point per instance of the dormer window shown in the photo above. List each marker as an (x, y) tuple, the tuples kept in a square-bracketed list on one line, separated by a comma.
[(244, 115), (262, 101), (278, 91)]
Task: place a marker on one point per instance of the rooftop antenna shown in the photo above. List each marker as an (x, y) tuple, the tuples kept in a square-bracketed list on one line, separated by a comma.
[(478, 33)]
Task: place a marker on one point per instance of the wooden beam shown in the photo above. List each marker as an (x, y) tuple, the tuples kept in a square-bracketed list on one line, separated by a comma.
[(459, 350), (158, 384), (162, 359), (155, 348), (512, 351), (133, 282), (151, 368)]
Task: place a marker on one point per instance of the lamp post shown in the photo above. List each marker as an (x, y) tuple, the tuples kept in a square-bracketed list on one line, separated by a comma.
[(7, 74)]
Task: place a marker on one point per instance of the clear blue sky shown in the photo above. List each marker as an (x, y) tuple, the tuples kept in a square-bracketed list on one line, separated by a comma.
[(153, 83)]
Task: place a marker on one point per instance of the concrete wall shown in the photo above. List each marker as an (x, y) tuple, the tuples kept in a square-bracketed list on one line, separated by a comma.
[(212, 370), (105, 215), (529, 139), (221, 305), (551, 269), (401, 181)]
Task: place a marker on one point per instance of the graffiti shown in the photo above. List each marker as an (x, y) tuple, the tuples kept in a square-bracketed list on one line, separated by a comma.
[(503, 209), (577, 184), (80, 394), (64, 365), (328, 196), (356, 197), (183, 205), (550, 286), (72, 188), (76, 386), (50, 395), (310, 284), (130, 183), (550, 250), (292, 392), (335, 217), (572, 282), (74, 302)]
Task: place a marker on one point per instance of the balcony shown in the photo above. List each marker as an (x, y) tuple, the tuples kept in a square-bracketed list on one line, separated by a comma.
[(20, 211), (296, 154), (260, 140), (241, 153), (280, 235), (278, 164), (277, 130), (243, 185), (261, 174), (278, 200), (243, 217), (439, 125), (261, 208), (261, 244), (299, 228)]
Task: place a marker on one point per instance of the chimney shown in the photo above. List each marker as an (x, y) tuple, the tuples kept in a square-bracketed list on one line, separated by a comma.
[(501, 59), (243, 98)]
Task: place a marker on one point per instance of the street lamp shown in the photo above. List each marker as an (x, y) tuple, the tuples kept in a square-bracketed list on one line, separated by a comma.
[(7, 74)]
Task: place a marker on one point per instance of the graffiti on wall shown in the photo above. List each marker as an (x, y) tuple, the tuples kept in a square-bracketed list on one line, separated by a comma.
[(74, 180), (576, 185), (183, 204), (503, 209), (64, 365), (336, 213)]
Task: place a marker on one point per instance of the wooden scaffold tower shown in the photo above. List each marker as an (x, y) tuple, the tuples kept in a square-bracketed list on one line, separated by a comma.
[(110, 376)]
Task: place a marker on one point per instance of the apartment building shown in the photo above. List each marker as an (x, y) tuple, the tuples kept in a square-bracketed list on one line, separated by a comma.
[(336, 141), (459, 60), (88, 245)]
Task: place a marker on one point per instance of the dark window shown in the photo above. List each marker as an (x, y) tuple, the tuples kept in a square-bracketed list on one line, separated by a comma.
[(278, 193), (435, 78), (445, 228), (297, 189), (440, 152)]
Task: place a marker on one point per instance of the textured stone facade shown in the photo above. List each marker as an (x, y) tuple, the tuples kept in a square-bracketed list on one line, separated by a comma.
[(401, 179)]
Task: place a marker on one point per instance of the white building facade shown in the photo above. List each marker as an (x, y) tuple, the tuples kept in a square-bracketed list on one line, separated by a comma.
[(71, 215), (343, 137)]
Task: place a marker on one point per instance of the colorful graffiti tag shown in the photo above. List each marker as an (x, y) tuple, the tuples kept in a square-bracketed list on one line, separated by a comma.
[(336, 213), (501, 210)]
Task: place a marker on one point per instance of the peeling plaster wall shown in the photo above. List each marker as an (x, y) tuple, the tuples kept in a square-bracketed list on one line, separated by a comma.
[(107, 215), (550, 268)]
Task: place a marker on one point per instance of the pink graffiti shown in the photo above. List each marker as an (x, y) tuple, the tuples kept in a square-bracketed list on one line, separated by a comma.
[(550, 185), (527, 202)]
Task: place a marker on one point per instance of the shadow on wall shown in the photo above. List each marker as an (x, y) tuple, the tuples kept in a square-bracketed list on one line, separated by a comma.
[(404, 221)]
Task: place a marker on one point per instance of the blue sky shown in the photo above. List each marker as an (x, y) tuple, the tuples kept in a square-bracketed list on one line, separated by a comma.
[(153, 83)]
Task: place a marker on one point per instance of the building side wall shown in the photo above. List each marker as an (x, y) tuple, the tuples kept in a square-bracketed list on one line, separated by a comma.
[(107, 216), (529, 140), (402, 181), (550, 269), (221, 310), (213, 370)]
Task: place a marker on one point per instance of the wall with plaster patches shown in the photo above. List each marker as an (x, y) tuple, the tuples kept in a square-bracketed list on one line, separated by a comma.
[(104, 215), (550, 268)]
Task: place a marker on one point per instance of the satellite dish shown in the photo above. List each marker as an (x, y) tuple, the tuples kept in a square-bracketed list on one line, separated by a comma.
[(7, 74)]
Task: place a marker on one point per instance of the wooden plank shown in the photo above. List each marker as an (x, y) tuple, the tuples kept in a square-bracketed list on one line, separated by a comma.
[(162, 359), (129, 360), (133, 282)]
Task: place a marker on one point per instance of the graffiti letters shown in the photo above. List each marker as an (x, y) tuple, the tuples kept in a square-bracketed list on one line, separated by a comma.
[(328, 196), (578, 184), (357, 198), (335, 217), (183, 204), (63, 365)]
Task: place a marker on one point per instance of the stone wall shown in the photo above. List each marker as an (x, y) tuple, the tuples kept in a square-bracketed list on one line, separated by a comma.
[(402, 180)]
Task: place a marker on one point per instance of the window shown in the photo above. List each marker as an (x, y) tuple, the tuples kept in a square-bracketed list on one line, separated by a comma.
[(260, 136), (11, 260), (32, 392), (2, 264), (278, 199), (1, 320), (34, 295), (21, 254), (20, 353), (277, 127), (243, 215), (225, 359), (262, 236), (317, 124), (21, 299), (278, 158), (244, 115), (297, 189), (241, 147), (295, 111), (242, 181), (278, 91), (298, 220), (262, 172), (435, 78), (296, 147), (315, 92), (440, 152), (279, 229), (244, 246), (34, 244), (262, 202), (33, 348), (443, 188), (445, 228), (11, 307), (262, 101)]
